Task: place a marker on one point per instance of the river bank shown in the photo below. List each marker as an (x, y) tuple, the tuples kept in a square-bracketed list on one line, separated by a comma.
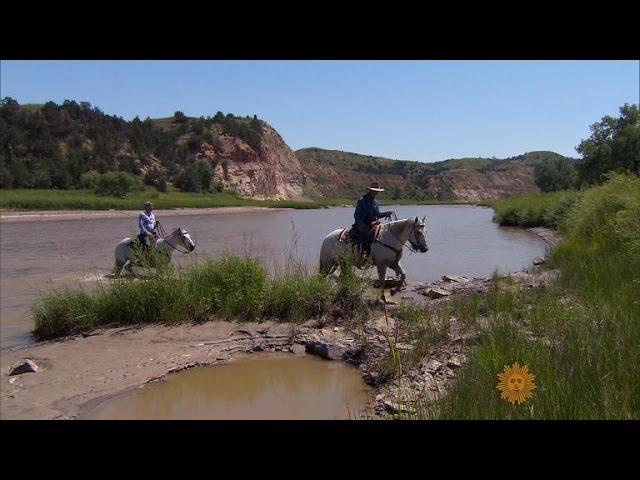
[(75, 199), (436, 352), (8, 216), (77, 373)]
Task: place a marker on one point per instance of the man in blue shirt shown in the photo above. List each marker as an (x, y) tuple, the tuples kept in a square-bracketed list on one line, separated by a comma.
[(367, 212), (147, 225)]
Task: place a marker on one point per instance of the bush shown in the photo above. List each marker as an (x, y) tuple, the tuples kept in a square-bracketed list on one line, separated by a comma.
[(89, 180), (196, 177), (116, 184), (157, 179), (608, 217), (41, 179), (547, 210)]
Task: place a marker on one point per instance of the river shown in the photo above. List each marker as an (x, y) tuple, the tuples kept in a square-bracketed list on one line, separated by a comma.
[(39, 255)]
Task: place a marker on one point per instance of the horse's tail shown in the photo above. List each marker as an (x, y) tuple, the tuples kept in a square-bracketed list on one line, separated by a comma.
[(328, 258), (325, 267)]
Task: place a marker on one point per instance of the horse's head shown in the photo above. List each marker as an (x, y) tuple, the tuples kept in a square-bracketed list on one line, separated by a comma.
[(417, 237), (186, 240)]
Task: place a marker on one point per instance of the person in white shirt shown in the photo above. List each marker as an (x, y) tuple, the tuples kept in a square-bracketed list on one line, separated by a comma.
[(147, 224)]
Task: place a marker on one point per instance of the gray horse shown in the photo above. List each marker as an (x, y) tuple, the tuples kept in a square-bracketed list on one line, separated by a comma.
[(386, 250), (162, 250)]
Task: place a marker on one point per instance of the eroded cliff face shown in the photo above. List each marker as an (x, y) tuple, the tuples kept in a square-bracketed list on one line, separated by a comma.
[(335, 173), (272, 172), (512, 178)]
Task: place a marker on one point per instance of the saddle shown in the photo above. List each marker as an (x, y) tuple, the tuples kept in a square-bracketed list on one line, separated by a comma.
[(135, 243), (374, 233)]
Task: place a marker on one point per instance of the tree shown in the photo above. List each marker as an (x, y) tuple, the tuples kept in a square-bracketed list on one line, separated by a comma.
[(557, 174), (219, 117), (614, 145), (189, 180), (205, 173), (156, 178), (179, 117)]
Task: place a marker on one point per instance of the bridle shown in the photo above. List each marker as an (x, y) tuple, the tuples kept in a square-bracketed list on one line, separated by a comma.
[(164, 236), (411, 246)]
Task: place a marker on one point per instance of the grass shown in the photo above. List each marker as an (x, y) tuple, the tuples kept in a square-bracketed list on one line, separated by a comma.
[(33, 199), (580, 336), (230, 287), (542, 210)]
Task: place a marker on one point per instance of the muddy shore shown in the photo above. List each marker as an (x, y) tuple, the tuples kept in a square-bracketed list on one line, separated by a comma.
[(7, 216), (77, 373)]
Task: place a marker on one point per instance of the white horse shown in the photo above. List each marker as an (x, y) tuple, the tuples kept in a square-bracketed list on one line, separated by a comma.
[(386, 250), (162, 250)]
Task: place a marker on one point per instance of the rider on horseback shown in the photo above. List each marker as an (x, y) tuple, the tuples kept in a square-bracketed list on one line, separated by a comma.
[(367, 212), (147, 224)]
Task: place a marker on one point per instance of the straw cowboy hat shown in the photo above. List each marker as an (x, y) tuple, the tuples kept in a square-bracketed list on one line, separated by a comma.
[(375, 187)]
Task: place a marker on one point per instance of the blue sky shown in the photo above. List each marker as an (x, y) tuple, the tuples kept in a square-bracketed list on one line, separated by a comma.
[(414, 110)]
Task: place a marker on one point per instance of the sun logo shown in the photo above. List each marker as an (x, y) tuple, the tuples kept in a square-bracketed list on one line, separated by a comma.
[(516, 383)]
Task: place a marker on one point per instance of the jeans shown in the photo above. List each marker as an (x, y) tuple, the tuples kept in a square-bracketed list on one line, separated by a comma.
[(362, 235), (145, 241)]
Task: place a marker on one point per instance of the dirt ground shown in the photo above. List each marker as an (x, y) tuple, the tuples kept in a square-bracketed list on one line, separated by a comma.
[(44, 215), (77, 373)]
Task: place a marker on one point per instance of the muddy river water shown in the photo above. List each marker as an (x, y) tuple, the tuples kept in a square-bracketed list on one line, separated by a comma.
[(266, 387), (38, 255)]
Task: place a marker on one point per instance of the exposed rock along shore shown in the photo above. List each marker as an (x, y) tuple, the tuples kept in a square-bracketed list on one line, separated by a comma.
[(75, 374)]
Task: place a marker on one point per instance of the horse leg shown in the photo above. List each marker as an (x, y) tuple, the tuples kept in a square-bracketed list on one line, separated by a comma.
[(400, 271), (124, 268), (382, 270)]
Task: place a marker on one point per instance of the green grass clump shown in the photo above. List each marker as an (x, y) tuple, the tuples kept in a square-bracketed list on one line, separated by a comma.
[(543, 210), (580, 336), (298, 294), (64, 312), (230, 287)]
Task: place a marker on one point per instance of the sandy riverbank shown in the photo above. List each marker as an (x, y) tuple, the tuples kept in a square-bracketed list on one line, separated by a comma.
[(44, 215), (77, 373)]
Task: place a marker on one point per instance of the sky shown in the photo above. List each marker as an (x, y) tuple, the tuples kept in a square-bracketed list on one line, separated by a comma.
[(409, 110)]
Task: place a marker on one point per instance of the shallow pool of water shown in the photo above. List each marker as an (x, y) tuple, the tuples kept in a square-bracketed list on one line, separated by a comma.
[(263, 387)]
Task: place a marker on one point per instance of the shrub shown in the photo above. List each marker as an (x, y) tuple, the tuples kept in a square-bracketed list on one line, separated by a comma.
[(157, 179), (116, 184), (296, 294), (89, 180)]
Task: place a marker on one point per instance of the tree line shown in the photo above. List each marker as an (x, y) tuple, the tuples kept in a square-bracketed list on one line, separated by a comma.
[(54, 146), (614, 146)]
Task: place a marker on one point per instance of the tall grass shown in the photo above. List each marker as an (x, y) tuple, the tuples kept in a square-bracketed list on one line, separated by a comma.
[(230, 287), (72, 199), (32, 199), (580, 336), (547, 209), (297, 293)]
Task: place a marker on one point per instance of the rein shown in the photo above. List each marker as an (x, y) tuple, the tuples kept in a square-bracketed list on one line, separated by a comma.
[(398, 251), (164, 236)]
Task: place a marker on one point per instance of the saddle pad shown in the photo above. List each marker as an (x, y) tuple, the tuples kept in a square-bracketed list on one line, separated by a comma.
[(375, 231), (345, 236)]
